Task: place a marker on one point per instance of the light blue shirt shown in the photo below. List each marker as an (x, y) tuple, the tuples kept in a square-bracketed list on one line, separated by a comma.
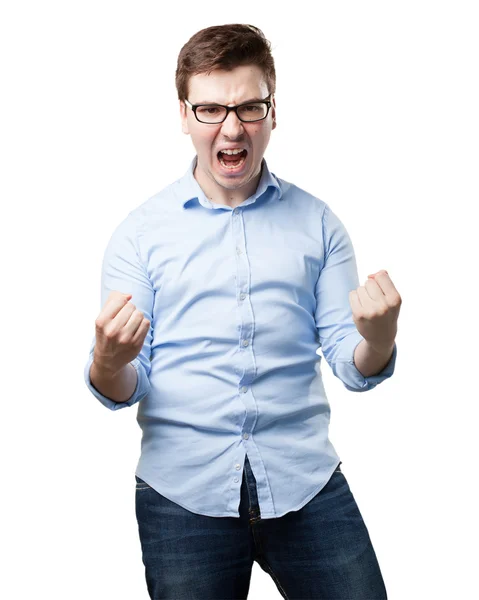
[(239, 302)]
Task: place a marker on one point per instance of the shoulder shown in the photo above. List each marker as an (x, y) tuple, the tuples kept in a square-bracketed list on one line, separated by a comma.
[(299, 197), (155, 209)]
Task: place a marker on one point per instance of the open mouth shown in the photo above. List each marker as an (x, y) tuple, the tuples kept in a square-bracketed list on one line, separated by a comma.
[(232, 162)]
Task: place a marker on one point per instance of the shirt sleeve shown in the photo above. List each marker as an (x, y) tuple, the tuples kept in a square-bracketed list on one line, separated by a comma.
[(123, 270), (338, 336)]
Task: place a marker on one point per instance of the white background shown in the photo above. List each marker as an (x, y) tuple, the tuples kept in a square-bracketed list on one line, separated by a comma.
[(377, 107)]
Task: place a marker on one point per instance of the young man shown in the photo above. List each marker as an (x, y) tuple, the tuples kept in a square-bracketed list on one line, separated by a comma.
[(236, 277)]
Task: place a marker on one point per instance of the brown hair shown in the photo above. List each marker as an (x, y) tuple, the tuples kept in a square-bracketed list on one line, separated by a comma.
[(224, 47)]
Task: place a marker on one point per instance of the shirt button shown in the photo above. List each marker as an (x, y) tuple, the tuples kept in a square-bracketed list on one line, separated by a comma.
[(236, 480), (236, 211), (238, 250), (242, 296), (245, 342), (238, 467), (244, 389), (246, 436)]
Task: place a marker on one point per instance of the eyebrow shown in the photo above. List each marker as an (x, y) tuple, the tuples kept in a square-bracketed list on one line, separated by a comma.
[(244, 101)]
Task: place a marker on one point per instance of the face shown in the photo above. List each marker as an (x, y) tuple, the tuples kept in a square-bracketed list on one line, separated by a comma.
[(229, 88)]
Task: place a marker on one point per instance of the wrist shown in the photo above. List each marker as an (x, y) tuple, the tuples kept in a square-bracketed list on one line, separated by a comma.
[(382, 348), (103, 370)]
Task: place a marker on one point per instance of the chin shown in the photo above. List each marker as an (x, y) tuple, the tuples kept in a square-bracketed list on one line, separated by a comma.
[(232, 184)]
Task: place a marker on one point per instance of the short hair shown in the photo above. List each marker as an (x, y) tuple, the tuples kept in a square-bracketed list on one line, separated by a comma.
[(224, 47)]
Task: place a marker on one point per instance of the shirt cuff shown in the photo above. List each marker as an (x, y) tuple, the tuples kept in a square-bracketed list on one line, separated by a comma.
[(349, 374), (141, 389)]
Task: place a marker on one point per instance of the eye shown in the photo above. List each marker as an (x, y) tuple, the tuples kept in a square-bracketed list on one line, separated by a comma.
[(210, 110)]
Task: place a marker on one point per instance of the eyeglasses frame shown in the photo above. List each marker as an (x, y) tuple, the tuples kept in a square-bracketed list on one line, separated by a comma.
[(229, 108)]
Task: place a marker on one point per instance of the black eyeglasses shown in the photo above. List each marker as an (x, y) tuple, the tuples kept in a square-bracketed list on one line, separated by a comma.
[(248, 112)]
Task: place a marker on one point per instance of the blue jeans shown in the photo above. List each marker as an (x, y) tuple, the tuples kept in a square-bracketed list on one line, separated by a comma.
[(322, 551)]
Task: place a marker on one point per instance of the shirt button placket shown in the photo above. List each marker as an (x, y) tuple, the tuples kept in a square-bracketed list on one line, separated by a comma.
[(245, 317)]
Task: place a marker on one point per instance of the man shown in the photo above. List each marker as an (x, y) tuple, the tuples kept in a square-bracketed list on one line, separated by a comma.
[(236, 277)]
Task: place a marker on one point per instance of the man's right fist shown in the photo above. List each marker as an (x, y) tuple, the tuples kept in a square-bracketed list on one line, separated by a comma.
[(120, 332)]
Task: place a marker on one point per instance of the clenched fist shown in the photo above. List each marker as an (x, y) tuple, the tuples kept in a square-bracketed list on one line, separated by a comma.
[(120, 332)]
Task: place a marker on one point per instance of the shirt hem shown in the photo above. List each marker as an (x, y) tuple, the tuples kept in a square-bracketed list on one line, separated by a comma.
[(188, 508), (237, 514), (303, 502)]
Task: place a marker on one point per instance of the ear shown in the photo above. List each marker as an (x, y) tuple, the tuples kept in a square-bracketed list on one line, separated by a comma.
[(273, 111), (183, 117)]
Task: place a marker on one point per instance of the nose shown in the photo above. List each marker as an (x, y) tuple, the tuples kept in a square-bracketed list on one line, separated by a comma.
[(232, 127)]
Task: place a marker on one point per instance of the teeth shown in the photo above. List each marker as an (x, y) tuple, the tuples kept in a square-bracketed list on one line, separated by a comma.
[(242, 161), (235, 151)]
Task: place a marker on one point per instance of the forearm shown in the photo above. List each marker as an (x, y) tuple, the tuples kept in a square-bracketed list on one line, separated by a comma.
[(120, 387), (371, 361)]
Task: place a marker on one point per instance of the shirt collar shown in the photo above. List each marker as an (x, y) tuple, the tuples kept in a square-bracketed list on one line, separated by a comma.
[(189, 189)]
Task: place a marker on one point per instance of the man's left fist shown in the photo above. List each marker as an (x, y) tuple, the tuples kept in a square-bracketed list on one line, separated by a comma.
[(375, 307)]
